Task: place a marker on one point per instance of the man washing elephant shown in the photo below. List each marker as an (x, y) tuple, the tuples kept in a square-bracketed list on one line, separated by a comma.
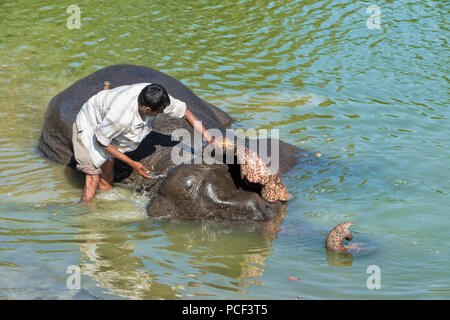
[(190, 190), (115, 121)]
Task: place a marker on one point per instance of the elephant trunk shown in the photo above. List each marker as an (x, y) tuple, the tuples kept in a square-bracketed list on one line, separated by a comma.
[(337, 236)]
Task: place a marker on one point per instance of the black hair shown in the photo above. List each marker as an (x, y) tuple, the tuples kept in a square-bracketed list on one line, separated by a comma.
[(155, 97)]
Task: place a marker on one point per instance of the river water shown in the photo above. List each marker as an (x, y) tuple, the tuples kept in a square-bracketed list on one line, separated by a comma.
[(373, 102)]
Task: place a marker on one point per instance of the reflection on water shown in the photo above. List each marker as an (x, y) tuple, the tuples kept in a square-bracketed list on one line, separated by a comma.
[(374, 103), (176, 258), (107, 256), (339, 259)]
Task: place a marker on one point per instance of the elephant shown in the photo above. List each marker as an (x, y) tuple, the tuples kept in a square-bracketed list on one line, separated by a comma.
[(192, 191)]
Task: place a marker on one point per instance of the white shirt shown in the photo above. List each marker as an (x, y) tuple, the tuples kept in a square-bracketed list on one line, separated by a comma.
[(112, 117)]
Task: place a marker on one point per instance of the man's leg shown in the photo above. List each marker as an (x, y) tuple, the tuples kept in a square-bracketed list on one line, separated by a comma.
[(107, 176), (90, 187), (85, 165)]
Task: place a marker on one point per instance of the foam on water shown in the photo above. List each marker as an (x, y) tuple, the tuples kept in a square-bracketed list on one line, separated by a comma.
[(121, 203)]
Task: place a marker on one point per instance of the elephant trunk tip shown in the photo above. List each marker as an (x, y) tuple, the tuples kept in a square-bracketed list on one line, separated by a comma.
[(337, 236)]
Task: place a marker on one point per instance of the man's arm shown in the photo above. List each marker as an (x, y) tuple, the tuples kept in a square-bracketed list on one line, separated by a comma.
[(178, 109), (197, 125), (139, 167)]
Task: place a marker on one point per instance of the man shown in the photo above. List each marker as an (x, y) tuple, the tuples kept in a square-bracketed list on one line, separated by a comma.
[(115, 121)]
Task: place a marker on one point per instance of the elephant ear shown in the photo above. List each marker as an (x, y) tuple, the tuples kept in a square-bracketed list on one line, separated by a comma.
[(256, 171)]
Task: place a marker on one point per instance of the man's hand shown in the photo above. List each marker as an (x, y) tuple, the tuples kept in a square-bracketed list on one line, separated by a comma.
[(139, 167), (224, 143), (220, 143)]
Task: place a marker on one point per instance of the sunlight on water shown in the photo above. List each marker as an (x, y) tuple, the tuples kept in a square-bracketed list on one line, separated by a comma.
[(373, 103)]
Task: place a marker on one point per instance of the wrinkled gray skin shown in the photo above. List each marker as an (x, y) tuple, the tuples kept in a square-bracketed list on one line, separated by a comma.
[(187, 191)]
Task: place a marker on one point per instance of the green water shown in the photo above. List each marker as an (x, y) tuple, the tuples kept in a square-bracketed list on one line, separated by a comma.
[(373, 102)]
